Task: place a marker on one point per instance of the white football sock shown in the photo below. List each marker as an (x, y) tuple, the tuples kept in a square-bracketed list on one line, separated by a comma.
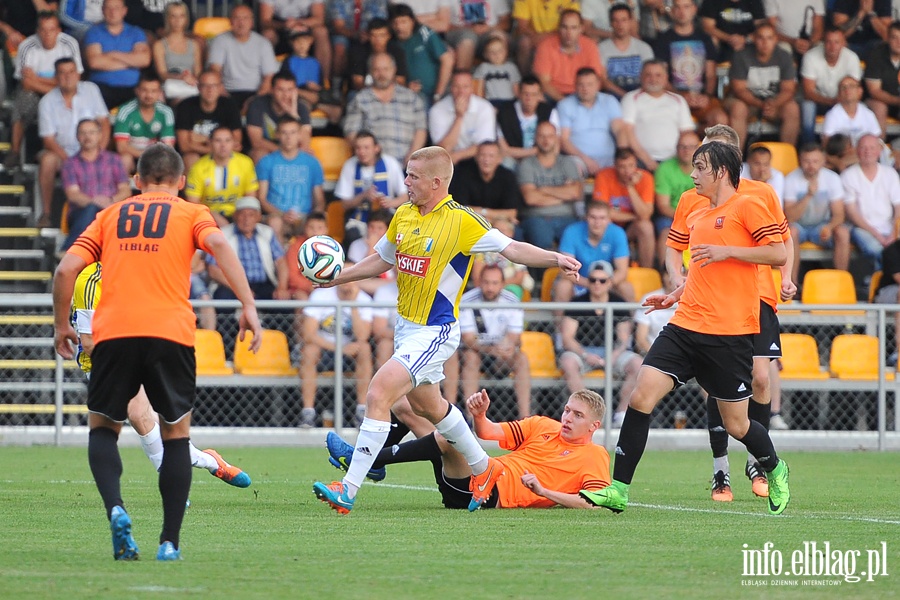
[(153, 446), (456, 431), (720, 464), (202, 460), (372, 435)]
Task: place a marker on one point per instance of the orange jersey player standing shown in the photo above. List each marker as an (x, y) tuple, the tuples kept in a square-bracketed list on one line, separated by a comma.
[(143, 331)]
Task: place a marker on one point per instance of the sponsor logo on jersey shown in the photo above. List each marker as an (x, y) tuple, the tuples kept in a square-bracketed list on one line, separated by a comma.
[(417, 266)]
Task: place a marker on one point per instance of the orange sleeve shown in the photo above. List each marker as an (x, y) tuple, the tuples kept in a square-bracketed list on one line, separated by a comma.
[(89, 244), (543, 58), (759, 221), (516, 432), (679, 235), (596, 470), (601, 185), (204, 224)]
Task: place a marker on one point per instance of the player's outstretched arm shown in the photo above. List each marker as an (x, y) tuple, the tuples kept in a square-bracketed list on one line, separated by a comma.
[(231, 266), (369, 267), (65, 338), (530, 481), (477, 405), (532, 256)]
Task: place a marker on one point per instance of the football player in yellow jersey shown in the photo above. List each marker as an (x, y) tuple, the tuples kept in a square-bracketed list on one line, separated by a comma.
[(431, 241), (141, 415)]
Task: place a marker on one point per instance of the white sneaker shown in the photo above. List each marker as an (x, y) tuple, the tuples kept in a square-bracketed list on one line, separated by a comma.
[(778, 423), (617, 420)]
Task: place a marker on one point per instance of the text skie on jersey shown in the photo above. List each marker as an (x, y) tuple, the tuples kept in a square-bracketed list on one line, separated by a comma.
[(417, 266)]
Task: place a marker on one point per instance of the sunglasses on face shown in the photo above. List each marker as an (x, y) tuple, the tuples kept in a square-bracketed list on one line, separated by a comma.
[(598, 279)]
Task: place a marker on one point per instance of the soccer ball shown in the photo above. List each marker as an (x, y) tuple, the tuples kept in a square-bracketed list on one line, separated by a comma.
[(321, 258)]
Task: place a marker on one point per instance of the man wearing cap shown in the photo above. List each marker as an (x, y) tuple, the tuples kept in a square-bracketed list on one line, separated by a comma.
[(584, 339), (259, 251)]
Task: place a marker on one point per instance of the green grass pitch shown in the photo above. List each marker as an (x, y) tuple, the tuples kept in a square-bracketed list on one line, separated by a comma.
[(275, 540)]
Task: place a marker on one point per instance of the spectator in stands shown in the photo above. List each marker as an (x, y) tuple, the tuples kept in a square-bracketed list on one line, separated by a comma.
[(648, 325), (260, 253), (730, 23), (221, 177), (116, 52), (882, 76), (497, 78), (305, 69), (485, 185), (629, 191), (763, 85), (536, 20), (583, 335), (814, 206), (800, 25), (850, 116), (370, 180), (290, 181), (671, 179), (691, 58), (77, 16), (515, 275), (562, 55), (823, 69), (394, 113), (279, 18), (872, 197), (34, 68), (244, 58), (315, 223), (551, 186), (472, 24), (266, 110), (656, 19), (461, 120), (655, 117), (143, 121), (623, 54), (888, 290), (351, 24), (198, 116), (377, 40), (591, 122), (595, 239), (59, 112), (517, 121), (376, 228), (177, 56), (491, 339), (93, 179), (149, 15), (428, 61), (758, 167), (840, 153), (383, 322), (865, 22), (319, 336), (598, 20), (434, 14)]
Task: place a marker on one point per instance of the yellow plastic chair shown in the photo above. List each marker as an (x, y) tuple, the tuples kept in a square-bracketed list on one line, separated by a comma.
[(210, 352), (273, 358), (332, 153), (873, 285), (547, 284), (800, 357), (644, 280), (828, 286), (784, 155), (538, 347), (855, 357), (210, 27), (334, 219)]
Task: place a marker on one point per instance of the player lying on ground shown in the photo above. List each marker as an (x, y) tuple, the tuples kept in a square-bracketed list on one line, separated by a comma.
[(549, 462)]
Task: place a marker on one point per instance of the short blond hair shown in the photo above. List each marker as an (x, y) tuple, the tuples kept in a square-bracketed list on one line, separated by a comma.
[(437, 162), (723, 133), (595, 402)]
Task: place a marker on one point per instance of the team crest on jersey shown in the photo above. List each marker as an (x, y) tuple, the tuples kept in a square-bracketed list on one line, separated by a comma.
[(429, 244), (417, 266), (720, 222), (565, 452), (398, 238)]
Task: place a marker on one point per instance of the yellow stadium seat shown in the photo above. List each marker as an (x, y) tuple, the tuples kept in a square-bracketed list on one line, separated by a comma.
[(538, 347), (273, 358), (210, 27), (800, 357), (873, 285), (644, 280), (210, 352), (784, 155), (334, 218), (332, 153), (547, 284), (855, 356), (828, 286)]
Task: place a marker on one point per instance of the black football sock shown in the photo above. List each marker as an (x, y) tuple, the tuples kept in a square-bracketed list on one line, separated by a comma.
[(759, 444), (424, 448), (174, 486), (761, 413), (106, 465), (718, 436), (631, 444), (398, 432)]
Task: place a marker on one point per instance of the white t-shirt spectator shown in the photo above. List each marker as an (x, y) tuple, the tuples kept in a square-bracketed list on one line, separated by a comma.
[(793, 14), (491, 324), (243, 63), (875, 199), (479, 123), (325, 315), (827, 77), (291, 9), (387, 293), (33, 55), (776, 181), (818, 211), (838, 121), (345, 187), (657, 121)]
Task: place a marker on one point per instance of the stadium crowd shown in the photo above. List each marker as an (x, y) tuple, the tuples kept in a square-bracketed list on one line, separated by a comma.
[(571, 125)]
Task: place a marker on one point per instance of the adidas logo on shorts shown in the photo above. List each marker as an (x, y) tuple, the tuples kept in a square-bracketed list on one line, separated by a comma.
[(774, 346), (742, 388)]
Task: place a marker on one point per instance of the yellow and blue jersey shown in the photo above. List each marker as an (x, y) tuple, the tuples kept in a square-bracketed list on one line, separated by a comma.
[(220, 187), (433, 259), (84, 301)]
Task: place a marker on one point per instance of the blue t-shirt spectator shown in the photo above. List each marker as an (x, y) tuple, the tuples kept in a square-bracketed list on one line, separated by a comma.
[(613, 245), (589, 127), (124, 42), (291, 182), (305, 69)]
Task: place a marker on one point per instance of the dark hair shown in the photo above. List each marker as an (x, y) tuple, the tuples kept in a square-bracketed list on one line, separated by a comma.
[(571, 11), (47, 14), (619, 7), (283, 76), (592, 204), (63, 61), (378, 23), (530, 80), (221, 127), (495, 266), (315, 216), (83, 121), (146, 75), (160, 164), (365, 133), (287, 119), (493, 143), (838, 144), (401, 10), (754, 150), (895, 26), (623, 153), (586, 71), (720, 156), (381, 216), (830, 28), (810, 147)]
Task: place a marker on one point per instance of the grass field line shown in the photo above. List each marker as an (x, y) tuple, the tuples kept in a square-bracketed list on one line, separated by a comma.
[(817, 517)]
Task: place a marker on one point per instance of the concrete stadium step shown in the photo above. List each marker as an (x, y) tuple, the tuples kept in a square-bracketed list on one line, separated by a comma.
[(22, 254)]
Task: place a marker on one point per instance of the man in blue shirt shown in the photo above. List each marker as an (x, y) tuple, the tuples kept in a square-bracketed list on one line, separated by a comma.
[(116, 52), (595, 239), (591, 123), (290, 181)]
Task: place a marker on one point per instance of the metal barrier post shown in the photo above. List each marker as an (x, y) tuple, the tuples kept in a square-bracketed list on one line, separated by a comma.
[(608, 371), (58, 376), (339, 366), (882, 383)]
